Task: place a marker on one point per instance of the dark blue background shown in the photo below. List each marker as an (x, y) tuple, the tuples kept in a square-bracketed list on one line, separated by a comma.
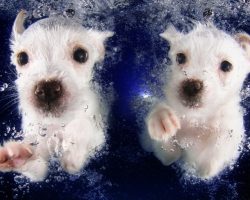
[(125, 170)]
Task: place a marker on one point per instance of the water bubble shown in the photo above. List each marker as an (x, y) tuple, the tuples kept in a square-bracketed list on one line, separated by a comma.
[(69, 12), (2, 89), (5, 85), (35, 143), (19, 179), (86, 107), (8, 129), (42, 131), (42, 134), (208, 12), (145, 95)]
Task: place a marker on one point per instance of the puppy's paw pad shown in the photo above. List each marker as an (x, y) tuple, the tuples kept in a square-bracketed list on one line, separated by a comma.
[(14, 155), (163, 124)]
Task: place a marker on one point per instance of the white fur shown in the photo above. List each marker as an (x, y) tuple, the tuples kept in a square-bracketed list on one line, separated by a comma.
[(206, 138), (78, 130)]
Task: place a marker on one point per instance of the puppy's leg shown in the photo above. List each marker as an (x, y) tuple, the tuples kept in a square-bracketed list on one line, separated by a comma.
[(162, 124), (80, 139), (23, 158), (219, 153)]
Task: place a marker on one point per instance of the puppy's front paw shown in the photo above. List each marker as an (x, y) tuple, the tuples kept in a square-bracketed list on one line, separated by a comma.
[(162, 123), (71, 163), (208, 170), (14, 155)]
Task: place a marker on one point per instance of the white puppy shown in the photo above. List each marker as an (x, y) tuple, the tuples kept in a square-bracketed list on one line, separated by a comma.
[(54, 58), (201, 121)]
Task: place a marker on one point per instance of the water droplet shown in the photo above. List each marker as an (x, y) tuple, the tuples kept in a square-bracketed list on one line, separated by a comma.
[(2, 89)]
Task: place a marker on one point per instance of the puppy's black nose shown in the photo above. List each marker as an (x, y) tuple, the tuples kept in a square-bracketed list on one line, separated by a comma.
[(192, 87), (48, 91)]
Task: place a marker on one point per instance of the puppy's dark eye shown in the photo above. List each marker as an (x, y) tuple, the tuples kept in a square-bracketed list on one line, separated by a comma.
[(226, 66), (80, 55), (22, 58), (181, 58)]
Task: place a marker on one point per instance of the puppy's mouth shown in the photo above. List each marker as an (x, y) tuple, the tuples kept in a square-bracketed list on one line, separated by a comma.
[(50, 108), (192, 103)]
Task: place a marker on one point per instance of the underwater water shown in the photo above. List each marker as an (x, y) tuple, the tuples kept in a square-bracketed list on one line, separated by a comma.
[(131, 73)]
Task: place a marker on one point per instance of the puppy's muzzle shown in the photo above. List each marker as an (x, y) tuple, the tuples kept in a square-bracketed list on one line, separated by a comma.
[(191, 92), (48, 94)]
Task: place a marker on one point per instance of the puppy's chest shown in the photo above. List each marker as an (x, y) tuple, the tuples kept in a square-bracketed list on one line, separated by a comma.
[(196, 134)]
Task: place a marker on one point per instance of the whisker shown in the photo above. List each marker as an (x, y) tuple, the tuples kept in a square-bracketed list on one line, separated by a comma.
[(8, 97), (8, 104)]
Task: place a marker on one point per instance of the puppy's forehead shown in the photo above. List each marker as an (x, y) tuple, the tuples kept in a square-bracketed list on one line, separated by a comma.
[(54, 32), (205, 40)]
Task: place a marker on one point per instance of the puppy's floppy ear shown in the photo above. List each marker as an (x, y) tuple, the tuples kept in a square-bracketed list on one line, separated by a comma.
[(99, 37), (244, 40), (171, 34), (18, 27)]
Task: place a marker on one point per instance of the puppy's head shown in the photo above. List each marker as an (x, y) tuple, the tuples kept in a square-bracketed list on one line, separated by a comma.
[(54, 58), (208, 67)]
